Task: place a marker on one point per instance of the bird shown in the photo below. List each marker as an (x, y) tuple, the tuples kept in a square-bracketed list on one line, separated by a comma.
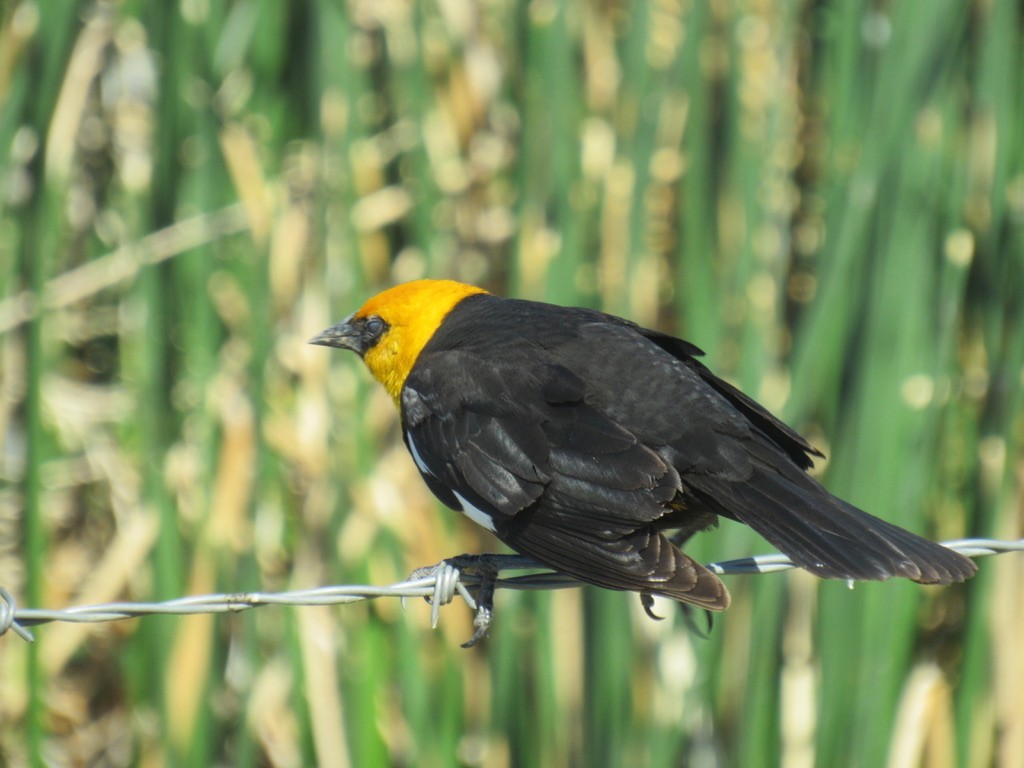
[(597, 447)]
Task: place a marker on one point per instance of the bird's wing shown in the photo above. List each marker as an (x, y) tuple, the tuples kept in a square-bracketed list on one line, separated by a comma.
[(778, 432), (519, 450), (741, 462), (475, 446)]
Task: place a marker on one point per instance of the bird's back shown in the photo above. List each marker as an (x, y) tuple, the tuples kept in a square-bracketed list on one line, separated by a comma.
[(568, 377)]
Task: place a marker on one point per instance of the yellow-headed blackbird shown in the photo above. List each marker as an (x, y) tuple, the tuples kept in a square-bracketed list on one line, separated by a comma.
[(580, 439)]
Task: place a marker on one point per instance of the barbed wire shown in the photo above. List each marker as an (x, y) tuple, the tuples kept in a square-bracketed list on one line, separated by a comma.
[(443, 582)]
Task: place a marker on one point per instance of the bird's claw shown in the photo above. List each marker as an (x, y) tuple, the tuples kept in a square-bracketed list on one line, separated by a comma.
[(488, 574), (481, 625), (691, 622), (647, 601), (447, 582)]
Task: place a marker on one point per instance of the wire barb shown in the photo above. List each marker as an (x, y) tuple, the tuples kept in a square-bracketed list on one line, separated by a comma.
[(8, 612), (438, 584)]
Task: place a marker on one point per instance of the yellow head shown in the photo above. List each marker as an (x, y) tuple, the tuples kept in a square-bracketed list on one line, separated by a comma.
[(390, 330)]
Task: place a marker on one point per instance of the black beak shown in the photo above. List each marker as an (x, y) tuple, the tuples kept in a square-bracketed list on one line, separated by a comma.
[(343, 335)]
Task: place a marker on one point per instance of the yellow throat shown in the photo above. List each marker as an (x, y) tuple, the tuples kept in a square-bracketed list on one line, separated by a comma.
[(413, 311)]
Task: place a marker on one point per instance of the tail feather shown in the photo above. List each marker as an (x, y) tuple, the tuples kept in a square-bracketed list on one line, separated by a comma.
[(703, 589), (826, 535)]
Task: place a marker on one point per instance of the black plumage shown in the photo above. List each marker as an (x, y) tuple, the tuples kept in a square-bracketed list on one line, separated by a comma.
[(585, 440)]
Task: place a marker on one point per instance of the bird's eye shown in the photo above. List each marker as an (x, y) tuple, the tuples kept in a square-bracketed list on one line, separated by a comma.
[(375, 327)]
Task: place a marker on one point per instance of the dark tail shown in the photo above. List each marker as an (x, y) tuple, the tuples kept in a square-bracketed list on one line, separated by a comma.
[(824, 534)]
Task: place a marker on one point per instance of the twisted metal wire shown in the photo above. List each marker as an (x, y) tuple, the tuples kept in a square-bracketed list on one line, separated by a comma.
[(441, 585)]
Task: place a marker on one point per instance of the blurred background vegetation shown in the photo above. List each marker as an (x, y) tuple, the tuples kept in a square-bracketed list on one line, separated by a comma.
[(827, 196)]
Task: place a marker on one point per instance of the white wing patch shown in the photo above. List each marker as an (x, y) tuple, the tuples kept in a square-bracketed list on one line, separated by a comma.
[(478, 516), (420, 463)]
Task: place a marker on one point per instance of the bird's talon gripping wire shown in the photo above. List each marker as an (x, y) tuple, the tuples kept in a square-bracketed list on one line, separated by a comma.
[(447, 577), (488, 575), (466, 595)]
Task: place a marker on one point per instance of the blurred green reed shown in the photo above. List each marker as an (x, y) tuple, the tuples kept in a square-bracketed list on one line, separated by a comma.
[(827, 197)]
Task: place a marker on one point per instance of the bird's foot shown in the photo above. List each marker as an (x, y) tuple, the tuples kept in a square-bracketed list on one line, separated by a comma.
[(689, 615), (690, 619), (447, 582), (647, 601)]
